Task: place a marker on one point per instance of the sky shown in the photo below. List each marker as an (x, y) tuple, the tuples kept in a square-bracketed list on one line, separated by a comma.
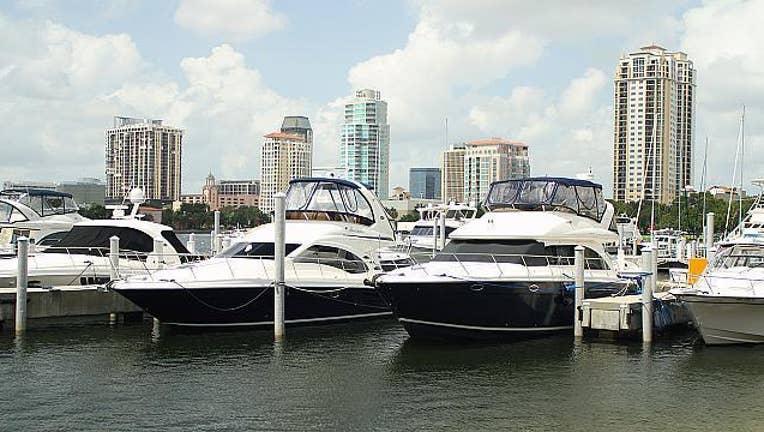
[(227, 71)]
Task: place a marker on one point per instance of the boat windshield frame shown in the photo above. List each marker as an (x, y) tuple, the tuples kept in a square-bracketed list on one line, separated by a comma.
[(580, 197), (328, 200), (43, 202), (749, 255)]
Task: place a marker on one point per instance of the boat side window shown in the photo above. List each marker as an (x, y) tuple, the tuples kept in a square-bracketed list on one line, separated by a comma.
[(587, 200), (254, 250), (52, 239), (9, 213), (334, 257), (524, 252)]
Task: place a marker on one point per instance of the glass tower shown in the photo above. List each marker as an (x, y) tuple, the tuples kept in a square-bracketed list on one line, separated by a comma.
[(365, 141)]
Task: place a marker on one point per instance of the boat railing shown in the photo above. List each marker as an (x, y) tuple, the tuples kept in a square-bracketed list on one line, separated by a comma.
[(466, 261)]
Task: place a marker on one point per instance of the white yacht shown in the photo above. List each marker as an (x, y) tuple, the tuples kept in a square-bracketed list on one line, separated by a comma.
[(333, 228), (727, 301), (422, 236), (41, 215), (509, 274), (80, 256)]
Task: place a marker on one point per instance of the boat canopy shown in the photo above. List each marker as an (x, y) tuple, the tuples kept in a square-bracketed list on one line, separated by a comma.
[(44, 202), (327, 199), (581, 197)]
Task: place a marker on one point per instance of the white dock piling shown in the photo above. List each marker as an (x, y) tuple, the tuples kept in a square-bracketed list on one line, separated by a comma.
[(709, 236), (114, 257), (215, 233), (218, 245), (279, 253), (578, 329), (648, 259), (22, 280), (442, 230), (191, 243), (159, 251), (434, 235)]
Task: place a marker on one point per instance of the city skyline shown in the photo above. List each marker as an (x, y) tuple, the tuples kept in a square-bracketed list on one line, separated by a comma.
[(547, 81)]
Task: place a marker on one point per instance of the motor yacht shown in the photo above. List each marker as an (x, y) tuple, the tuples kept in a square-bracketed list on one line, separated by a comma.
[(42, 215), (509, 274), (425, 232), (332, 229), (727, 301), (81, 255)]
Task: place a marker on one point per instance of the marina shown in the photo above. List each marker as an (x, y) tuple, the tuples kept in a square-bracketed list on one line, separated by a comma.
[(370, 376)]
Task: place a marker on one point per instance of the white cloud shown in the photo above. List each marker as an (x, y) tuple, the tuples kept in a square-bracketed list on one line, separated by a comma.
[(566, 134), (235, 20)]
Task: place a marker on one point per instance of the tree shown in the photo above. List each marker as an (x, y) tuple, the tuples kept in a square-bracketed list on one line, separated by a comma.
[(95, 211), (412, 216), (392, 213)]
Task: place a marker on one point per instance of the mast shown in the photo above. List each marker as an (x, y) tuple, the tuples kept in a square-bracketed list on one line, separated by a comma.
[(734, 175), (703, 186), (742, 159)]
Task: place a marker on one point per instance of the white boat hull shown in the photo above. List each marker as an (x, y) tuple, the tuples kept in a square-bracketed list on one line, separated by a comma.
[(727, 320)]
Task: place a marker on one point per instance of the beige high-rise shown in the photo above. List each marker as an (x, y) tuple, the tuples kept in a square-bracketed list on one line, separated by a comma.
[(452, 174), (284, 157), (654, 109), (143, 153)]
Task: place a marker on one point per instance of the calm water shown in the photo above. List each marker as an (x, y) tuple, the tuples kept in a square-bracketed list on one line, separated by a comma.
[(368, 376)]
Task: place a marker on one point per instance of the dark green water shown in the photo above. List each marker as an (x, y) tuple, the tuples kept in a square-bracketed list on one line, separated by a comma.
[(368, 377)]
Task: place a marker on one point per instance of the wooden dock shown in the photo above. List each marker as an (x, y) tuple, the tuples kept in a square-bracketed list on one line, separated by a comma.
[(67, 302), (621, 316)]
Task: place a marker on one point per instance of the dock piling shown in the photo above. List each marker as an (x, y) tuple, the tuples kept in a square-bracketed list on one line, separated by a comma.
[(442, 219), (191, 243), (434, 235), (709, 236), (22, 281), (218, 245), (649, 266), (578, 329), (114, 257), (216, 233), (279, 254)]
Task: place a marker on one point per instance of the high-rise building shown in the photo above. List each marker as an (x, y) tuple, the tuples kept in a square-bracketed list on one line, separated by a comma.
[(452, 173), (143, 153), (424, 183), (490, 160), (284, 157), (365, 142), (298, 125), (654, 110)]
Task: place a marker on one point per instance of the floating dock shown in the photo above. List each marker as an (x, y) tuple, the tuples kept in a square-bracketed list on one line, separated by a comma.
[(66, 302), (621, 316)]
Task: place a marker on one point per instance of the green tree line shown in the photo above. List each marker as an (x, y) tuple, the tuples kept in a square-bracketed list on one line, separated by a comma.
[(667, 216)]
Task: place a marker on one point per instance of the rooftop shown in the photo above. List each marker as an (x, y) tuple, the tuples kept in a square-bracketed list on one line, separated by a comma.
[(496, 141), (283, 135)]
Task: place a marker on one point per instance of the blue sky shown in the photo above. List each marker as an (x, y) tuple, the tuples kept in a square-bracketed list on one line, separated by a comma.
[(227, 70)]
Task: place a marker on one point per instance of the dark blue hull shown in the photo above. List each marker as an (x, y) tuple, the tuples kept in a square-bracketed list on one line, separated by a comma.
[(485, 310), (253, 306)]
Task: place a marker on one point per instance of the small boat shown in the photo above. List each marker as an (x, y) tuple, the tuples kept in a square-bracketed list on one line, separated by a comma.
[(509, 274), (727, 301), (427, 229), (333, 228)]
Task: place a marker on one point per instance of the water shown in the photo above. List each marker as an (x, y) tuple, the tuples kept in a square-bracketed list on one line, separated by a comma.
[(203, 241), (368, 376)]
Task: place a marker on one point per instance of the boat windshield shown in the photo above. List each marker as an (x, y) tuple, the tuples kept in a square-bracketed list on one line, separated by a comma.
[(44, 203), (581, 197), (330, 199), (740, 255)]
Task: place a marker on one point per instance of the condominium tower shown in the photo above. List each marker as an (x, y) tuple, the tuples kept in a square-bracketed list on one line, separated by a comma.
[(469, 168), (284, 157), (365, 141), (298, 125), (143, 153), (452, 173), (654, 110)]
